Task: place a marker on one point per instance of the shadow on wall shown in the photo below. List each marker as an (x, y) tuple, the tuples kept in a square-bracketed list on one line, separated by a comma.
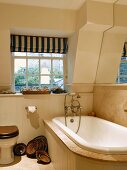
[(33, 116), (34, 119)]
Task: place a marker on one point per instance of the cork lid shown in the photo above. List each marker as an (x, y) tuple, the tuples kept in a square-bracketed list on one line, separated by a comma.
[(8, 131)]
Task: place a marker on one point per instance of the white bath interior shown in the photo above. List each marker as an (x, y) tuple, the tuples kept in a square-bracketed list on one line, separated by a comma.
[(95, 134)]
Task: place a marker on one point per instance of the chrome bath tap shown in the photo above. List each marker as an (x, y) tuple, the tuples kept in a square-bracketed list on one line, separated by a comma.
[(72, 107)]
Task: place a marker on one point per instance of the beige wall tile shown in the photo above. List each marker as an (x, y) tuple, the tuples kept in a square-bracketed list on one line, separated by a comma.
[(110, 103)]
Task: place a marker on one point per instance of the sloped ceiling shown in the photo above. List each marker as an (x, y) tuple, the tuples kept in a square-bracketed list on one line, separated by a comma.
[(61, 4)]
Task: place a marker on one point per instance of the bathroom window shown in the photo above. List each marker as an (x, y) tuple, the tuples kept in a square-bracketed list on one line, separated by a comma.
[(122, 72), (38, 70), (38, 61)]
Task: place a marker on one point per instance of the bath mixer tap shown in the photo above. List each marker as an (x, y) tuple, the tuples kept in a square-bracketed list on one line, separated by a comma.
[(73, 108)]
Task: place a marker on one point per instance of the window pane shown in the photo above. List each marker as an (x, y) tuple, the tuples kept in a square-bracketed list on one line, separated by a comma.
[(45, 81), (45, 66), (122, 71), (20, 66), (123, 68), (122, 75), (46, 54), (57, 66), (33, 66), (46, 85), (33, 54), (19, 54), (39, 54), (57, 55), (122, 80), (58, 81), (20, 83), (33, 81), (40, 71)]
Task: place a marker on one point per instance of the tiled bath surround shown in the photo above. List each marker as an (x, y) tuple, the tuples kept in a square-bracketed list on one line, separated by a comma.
[(72, 157), (110, 103)]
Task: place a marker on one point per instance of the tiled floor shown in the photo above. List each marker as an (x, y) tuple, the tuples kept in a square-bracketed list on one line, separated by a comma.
[(24, 163)]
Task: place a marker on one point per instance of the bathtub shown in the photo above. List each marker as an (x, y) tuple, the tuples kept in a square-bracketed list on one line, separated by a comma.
[(95, 134)]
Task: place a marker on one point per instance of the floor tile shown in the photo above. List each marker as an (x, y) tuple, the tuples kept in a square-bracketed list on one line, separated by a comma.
[(25, 163)]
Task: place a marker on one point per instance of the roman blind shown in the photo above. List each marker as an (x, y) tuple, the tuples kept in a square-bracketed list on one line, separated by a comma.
[(125, 50), (38, 44)]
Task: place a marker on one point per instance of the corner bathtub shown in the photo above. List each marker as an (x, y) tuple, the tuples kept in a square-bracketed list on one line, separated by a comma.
[(95, 134)]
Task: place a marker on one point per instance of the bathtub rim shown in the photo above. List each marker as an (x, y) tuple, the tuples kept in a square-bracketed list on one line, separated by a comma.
[(52, 127), (85, 145)]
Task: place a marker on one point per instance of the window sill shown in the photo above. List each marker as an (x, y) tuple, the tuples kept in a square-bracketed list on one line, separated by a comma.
[(22, 95), (11, 95)]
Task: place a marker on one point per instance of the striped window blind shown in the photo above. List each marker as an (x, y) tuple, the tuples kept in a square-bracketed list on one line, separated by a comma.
[(38, 44), (125, 50)]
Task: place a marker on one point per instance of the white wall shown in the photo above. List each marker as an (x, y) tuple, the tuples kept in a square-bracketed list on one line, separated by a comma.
[(110, 56), (100, 42), (87, 56), (19, 16), (92, 20), (5, 59), (72, 43), (100, 12)]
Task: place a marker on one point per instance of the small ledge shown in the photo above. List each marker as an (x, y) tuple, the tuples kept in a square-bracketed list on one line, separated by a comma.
[(11, 95), (24, 95), (112, 86)]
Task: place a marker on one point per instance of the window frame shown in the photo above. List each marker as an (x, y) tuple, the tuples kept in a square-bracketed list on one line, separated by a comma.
[(39, 74)]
